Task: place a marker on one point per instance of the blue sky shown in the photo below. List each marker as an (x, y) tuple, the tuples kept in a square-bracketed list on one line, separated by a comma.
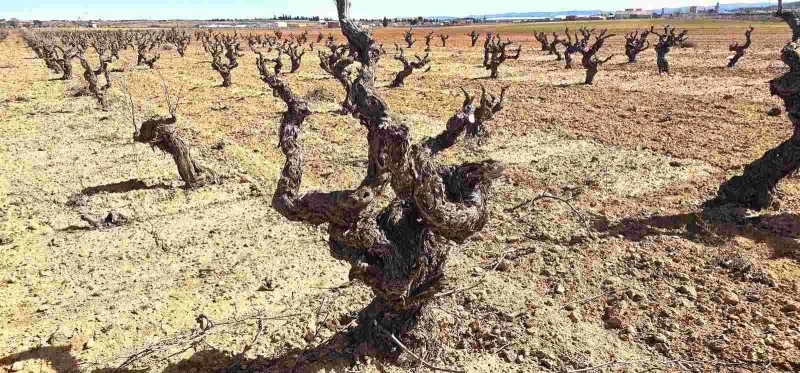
[(204, 9)]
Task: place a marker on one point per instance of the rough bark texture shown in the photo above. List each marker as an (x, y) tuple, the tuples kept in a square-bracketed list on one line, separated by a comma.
[(229, 44), (295, 53), (635, 43), (666, 41), (590, 61), (755, 187), (739, 49), (554, 46), (474, 36), (337, 63), (571, 47), (494, 54), (90, 75), (541, 37), (428, 38), (159, 132), (399, 251), (144, 42), (408, 67), (408, 37), (181, 39)]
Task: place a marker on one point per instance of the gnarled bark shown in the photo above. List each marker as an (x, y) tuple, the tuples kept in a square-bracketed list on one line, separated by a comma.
[(755, 187), (219, 43), (474, 35), (159, 132), (494, 54), (90, 75), (408, 37), (337, 63), (295, 53), (181, 39), (443, 38), (571, 47), (553, 46), (541, 37), (144, 42), (739, 49), (400, 252), (635, 43), (666, 41), (428, 38), (408, 67), (590, 61)]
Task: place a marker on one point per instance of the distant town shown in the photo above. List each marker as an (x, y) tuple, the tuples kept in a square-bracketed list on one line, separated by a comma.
[(317, 22)]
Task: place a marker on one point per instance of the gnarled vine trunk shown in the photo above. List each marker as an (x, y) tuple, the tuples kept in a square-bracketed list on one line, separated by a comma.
[(399, 251), (159, 132), (755, 187)]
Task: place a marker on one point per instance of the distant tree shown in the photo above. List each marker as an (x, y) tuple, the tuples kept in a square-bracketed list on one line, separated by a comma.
[(385, 22), (13, 22)]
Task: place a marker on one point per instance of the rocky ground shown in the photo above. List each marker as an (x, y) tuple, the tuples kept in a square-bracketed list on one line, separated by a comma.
[(655, 284)]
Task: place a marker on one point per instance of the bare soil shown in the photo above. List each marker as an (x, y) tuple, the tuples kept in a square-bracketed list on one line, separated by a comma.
[(663, 285)]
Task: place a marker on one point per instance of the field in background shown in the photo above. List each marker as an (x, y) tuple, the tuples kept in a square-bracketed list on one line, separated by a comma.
[(636, 152)]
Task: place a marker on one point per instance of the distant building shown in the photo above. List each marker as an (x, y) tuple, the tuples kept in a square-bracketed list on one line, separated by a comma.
[(633, 13), (693, 10), (333, 24)]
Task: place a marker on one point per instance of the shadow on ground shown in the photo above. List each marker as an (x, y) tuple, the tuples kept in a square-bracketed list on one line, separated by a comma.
[(715, 227)]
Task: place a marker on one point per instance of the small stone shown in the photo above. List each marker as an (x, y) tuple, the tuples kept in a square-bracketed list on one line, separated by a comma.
[(574, 316), (520, 359), (16, 367), (733, 317), (790, 307), (769, 340), (689, 291), (717, 346), (659, 338), (569, 307), (727, 97), (753, 298), (546, 363), (546, 272), (730, 298), (774, 111), (560, 289), (89, 344), (509, 355)]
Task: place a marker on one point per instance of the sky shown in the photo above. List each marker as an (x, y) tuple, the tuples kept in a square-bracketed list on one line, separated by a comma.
[(207, 9)]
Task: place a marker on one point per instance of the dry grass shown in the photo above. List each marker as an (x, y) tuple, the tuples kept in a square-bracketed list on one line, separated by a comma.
[(608, 147)]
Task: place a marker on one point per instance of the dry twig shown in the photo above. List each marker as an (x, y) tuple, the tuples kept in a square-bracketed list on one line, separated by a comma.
[(547, 196), (408, 351)]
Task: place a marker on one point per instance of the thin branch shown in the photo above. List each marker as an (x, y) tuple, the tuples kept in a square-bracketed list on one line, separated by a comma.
[(483, 278), (547, 196), (404, 348)]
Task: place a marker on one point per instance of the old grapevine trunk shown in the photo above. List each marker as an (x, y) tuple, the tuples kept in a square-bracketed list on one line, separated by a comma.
[(754, 188), (400, 250), (159, 132)]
